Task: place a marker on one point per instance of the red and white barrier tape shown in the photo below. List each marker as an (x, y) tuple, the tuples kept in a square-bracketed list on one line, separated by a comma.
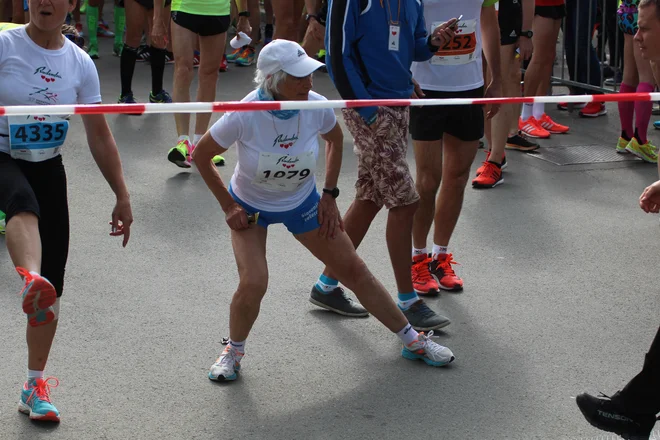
[(214, 107)]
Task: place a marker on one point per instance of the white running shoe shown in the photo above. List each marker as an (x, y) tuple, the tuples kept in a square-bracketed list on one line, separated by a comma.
[(226, 367), (430, 352)]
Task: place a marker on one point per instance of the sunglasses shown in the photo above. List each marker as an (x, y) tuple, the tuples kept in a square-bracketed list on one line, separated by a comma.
[(77, 40)]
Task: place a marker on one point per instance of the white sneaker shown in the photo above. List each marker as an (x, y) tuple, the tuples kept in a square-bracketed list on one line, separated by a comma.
[(430, 352), (227, 365)]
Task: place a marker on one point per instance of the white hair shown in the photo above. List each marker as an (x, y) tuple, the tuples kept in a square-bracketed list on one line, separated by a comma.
[(269, 83)]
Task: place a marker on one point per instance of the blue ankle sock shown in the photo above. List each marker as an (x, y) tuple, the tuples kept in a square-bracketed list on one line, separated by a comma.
[(407, 299), (326, 284)]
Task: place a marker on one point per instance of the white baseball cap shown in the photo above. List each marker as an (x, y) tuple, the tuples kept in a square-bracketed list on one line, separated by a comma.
[(288, 56)]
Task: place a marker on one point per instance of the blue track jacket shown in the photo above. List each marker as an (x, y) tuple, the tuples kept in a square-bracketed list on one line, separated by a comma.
[(357, 56)]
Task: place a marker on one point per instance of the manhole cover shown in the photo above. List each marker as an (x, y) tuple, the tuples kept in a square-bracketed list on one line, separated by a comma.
[(581, 154)]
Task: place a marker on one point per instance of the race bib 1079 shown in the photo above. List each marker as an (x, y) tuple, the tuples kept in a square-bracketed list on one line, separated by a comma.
[(282, 172), (36, 138)]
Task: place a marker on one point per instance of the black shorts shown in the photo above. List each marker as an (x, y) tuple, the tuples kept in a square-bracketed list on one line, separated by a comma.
[(149, 4), (510, 19), (202, 25), (40, 188), (553, 12), (466, 122)]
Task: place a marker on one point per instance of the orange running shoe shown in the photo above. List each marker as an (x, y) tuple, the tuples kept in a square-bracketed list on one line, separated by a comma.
[(502, 165), (490, 176), (39, 296), (551, 126), (441, 269), (423, 281), (532, 128)]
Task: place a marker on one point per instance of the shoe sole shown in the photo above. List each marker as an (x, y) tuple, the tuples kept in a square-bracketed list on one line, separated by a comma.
[(48, 417), (41, 295), (634, 153), (519, 148), (434, 327), (482, 186), (340, 312), (223, 378), (536, 137), (451, 289), (177, 159), (593, 115), (407, 354)]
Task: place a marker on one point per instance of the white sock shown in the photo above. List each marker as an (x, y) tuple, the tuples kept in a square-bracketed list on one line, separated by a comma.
[(526, 111), (196, 138), (34, 374), (408, 335), (422, 251), (238, 346), (185, 137), (437, 250), (539, 110)]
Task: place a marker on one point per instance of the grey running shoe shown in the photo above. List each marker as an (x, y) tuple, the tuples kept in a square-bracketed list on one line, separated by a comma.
[(423, 319), (430, 352), (337, 301)]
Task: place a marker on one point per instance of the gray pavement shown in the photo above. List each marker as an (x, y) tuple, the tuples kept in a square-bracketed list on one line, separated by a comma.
[(561, 297)]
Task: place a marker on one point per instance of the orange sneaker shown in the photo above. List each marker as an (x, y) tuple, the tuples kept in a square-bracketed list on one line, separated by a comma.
[(551, 126), (532, 128), (441, 269), (481, 168), (490, 176), (423, 281), (39, 296)]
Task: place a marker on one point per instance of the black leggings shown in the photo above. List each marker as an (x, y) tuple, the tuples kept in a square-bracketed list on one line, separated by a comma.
[(40, 188)]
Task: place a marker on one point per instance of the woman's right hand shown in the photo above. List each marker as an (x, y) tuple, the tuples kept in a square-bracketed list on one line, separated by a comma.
[(236, 217)]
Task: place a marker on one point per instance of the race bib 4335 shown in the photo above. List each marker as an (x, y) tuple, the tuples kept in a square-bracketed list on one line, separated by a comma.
[(36, 138)]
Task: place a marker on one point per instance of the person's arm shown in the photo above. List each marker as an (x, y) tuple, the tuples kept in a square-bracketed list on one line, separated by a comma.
[(334, 147), (524, 43), (329, 216), (202, 156), (158, 31), (341, 34), (490, 40), (312, 6), (427, 45), (104, 151)]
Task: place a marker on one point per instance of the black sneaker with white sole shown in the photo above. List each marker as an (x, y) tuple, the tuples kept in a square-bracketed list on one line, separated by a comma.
[(605, 414), (337, 301), (423, 319), (519, 142)]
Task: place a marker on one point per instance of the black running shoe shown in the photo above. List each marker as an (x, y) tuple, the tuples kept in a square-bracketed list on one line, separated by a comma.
[(521, 143), (604, 414), (423, 319), (337, 301)]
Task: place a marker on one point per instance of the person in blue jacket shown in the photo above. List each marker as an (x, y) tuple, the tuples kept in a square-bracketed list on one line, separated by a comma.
[(371, 45)]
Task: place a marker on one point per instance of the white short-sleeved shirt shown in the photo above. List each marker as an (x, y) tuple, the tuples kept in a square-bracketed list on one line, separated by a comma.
[(457, 66), (32, 75), (276, 164)]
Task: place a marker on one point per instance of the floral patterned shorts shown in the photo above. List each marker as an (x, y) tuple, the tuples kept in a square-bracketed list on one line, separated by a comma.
[(383, 174)]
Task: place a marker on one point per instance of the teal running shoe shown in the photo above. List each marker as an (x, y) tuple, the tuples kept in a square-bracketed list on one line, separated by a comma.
[(227, 366), (430, 352), (35, 400)]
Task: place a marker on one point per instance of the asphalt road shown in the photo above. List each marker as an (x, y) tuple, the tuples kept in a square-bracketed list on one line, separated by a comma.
[(560, 269)]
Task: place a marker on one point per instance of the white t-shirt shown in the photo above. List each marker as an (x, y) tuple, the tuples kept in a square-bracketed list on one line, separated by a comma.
[(457, 66), (276, 158), (32, 75)]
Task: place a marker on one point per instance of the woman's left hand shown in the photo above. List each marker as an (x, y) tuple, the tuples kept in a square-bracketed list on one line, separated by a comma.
[(122, 219), (329, 217)]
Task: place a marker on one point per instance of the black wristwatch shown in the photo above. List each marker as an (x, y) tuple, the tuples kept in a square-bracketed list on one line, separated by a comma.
[(244, 14), (527, 34), (314, 16), (334, 192)]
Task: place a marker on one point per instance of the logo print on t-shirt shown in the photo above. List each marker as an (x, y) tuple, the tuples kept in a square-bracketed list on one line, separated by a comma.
[(47, 74), (287, 161), (285, 141), (51, 98)]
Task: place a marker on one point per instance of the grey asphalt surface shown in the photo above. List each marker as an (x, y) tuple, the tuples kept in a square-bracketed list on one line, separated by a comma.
[(561, 297)]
